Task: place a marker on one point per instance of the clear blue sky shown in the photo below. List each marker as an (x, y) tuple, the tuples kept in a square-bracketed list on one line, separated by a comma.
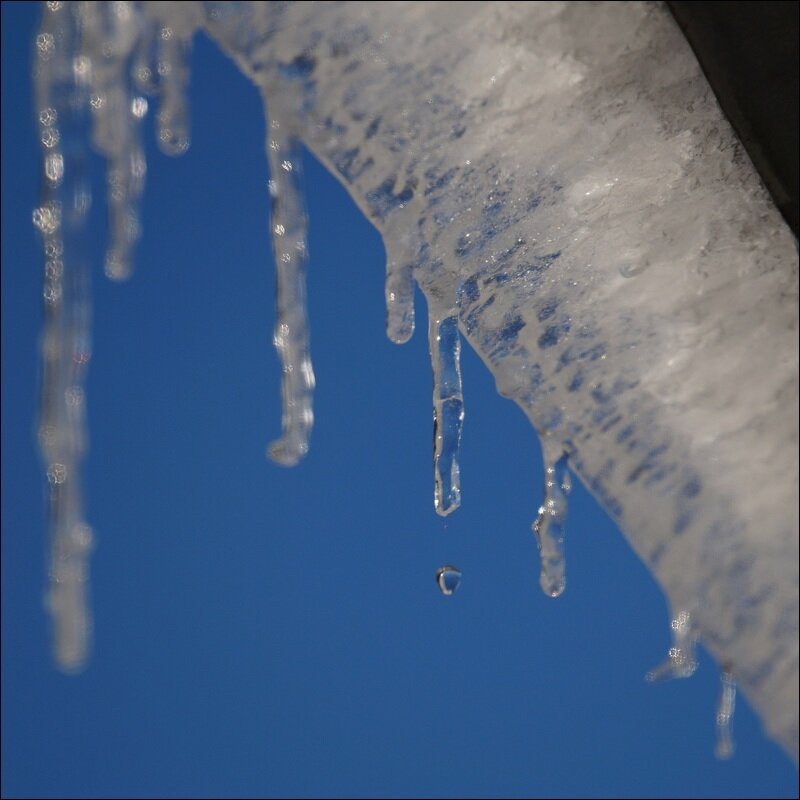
[(265, 632)]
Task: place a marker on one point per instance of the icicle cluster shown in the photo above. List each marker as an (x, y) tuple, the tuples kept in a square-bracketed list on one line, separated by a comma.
[(93, 63), (558, 181)]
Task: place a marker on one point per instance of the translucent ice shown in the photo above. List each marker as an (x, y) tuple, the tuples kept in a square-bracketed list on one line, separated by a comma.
[(561, 176)]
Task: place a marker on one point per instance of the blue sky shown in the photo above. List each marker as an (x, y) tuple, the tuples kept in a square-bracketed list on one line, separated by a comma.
[(269, 632)]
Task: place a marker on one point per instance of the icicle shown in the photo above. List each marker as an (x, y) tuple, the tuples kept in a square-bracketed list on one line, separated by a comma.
[(145, 60), (549, 525), (727, 705), (62, 82), (681, 661), (111, 33), (173, 112), (288, 222), (399, 301), (448, 408)]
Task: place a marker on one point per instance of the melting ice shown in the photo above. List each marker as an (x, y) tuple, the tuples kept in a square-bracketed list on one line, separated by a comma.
[(559, 182)]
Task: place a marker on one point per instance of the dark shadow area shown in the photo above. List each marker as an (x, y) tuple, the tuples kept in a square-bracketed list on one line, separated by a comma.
[(749, 53)]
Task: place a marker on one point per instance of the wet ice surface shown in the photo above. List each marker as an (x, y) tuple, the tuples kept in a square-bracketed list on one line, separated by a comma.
[(560, 175)]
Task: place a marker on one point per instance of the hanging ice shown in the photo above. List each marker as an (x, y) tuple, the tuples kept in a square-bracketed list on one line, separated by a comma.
[(288, 223), (558, 173), (448, 409), (727, 704), (549, 525)]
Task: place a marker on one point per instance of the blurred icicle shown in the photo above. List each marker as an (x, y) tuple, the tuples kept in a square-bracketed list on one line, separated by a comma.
[(288, 225)]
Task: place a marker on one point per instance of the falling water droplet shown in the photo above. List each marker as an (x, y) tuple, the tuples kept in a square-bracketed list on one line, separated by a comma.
[(727, 704), (549, 525), (448, 410), (448, 578), (681, 661)]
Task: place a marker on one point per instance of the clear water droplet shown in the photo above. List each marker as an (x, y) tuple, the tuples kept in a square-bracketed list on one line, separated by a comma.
[(448, 579)]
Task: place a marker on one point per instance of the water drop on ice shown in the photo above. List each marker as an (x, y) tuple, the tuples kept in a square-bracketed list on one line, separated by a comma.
[(291, 339)]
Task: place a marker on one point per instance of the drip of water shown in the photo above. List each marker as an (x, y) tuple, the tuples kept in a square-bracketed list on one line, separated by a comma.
[(62, 89), (725, 745), (549, 525), (448, 579), (681, 661), (448, 409), (288, 222)]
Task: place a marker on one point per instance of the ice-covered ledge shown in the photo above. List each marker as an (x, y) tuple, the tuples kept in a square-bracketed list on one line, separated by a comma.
[(559, 176), (620, 268)]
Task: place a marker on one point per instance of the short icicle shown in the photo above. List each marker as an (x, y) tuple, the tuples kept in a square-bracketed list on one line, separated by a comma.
[(681, 661), (117, 115), (288, 224), (725, 745), (399, 301), (549, 525), (448, 408), (173, 76)]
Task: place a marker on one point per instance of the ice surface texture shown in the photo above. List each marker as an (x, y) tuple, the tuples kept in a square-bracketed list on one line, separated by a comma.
[(559, 176)]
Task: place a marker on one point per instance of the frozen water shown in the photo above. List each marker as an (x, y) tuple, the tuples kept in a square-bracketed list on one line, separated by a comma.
[(550, 523), (681, 661), (448, 579), (556, 176), (725, 708)]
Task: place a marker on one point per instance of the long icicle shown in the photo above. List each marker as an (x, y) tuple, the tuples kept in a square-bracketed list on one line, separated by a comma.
[(399, 301), (288, 225), (62, 83), (448, 408)]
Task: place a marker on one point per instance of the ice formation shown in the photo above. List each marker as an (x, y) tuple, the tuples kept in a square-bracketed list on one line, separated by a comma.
[(560, 182)]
